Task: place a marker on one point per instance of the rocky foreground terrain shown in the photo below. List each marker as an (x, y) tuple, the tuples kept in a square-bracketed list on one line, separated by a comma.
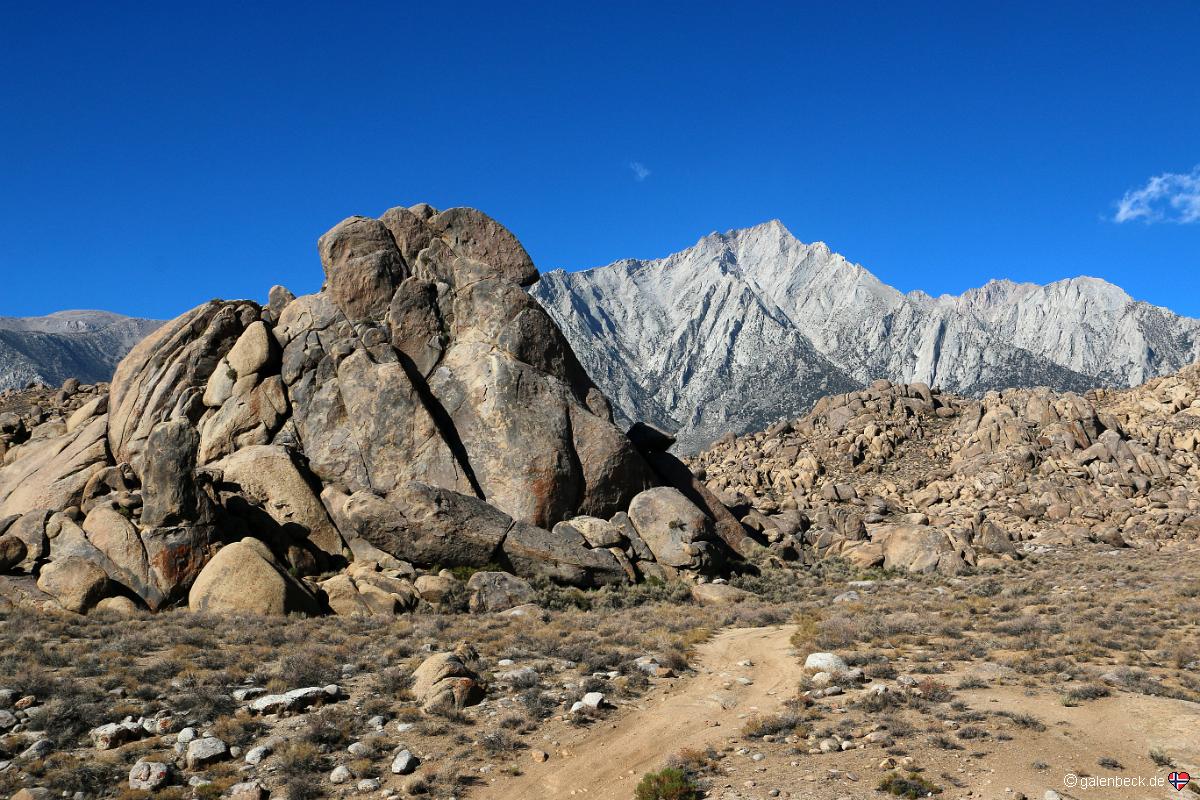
[(905, 477), (386, 540)]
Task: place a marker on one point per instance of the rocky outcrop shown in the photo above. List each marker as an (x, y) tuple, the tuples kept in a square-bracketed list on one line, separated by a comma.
[(420, 412), (909, 478)]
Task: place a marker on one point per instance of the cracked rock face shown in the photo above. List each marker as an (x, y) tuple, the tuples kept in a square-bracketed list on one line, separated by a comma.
[(439, 368)]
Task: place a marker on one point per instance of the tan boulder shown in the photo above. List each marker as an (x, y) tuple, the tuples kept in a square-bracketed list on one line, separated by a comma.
[(362, 267), (437, 588), (119, 605), (245, 578), (75, 582), (919, 548), (53, 473), (675, 530), (498, 591), (344, 598), (267, 475), (719, 594), (12, 552), (444, 681), (253, 351), (115, 536)]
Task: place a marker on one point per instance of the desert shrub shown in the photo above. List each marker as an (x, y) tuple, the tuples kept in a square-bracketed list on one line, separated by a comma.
[(1088, 691), (943, 743), (537, 704), (67, 774), (499, 742), (306, 669), (1027, 721), (668, 783), (393, 682), (1160, 758), (299, 759), (934, 691), (332, 727), (759, 726), (911, 785)]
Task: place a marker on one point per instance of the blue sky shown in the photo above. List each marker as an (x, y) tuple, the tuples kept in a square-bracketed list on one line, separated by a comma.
[(154, 156)]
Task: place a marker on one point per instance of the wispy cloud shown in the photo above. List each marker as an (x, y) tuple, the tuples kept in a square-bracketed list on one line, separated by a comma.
[(640, 172), (1170, 197)]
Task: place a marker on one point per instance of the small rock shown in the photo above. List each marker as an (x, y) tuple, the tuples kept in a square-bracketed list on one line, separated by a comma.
[(201, 752), (147, 776), (248, 790), (256, 755), (37, 751), (404, 763)]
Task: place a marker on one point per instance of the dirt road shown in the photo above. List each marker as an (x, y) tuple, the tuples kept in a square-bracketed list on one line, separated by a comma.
[(605, 762)]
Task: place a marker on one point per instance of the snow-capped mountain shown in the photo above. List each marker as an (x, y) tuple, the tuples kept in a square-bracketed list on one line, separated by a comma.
[(751, 325), (69, 344)]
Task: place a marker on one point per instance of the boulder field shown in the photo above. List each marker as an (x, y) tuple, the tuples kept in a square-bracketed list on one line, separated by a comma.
[(345, 451)]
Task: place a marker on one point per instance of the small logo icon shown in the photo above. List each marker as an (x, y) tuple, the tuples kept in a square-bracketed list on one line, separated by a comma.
[(1178, 780)]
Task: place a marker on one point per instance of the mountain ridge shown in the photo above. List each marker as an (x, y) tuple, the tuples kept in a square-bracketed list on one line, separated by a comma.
[(81, 344), (817, 319)]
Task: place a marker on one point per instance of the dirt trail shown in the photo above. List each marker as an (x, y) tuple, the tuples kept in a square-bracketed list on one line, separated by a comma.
[(605, 762)]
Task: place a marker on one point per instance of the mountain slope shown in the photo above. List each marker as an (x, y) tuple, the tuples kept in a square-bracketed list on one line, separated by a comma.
[(753, 324), (69, 344)]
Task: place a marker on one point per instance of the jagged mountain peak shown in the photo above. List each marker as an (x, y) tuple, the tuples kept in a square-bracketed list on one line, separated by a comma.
[(681, 340)]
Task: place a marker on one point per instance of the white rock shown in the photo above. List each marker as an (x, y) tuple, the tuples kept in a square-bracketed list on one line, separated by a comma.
[(825, 662), (404, 763), (148, 776)]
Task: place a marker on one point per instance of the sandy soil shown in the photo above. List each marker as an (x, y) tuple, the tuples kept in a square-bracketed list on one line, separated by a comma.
[(606, 761)]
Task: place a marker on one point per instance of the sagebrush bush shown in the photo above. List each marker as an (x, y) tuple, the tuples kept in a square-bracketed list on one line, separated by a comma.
[(669, 783)]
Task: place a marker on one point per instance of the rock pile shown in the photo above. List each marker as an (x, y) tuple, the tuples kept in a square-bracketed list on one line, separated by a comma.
[(420, 412), (907, 477)]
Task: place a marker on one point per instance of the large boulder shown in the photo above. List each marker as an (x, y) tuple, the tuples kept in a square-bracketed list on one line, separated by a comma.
[(30, 528), (561, 557), (115, 536), (75, 582), (427, 525), (363, 267), (52, 473), (268, 476), (244, 578), (12, 552), (168, 476), (676, 531), (919, 548), (498, 591), (164, 377), (445, 681)]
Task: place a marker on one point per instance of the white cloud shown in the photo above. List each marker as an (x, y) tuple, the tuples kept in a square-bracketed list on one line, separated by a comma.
[(1170, 197), (640, 173)]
